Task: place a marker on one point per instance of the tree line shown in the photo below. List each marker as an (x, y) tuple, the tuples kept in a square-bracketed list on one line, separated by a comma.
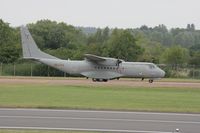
[(176, 46)]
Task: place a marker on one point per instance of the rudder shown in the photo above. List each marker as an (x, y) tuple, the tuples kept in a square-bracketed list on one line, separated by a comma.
[(29, 47)]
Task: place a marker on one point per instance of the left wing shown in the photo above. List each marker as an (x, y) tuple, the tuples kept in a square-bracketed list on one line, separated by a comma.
[(103, 60), (94, 58)]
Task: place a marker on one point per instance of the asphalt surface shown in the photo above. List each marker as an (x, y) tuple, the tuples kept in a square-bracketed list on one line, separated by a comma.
[(113, 121)]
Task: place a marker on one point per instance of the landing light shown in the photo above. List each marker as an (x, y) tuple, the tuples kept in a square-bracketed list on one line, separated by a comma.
[(177, 131)]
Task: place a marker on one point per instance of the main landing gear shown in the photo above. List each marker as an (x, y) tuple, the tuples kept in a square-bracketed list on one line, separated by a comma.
[(150, 80), (99, 80)]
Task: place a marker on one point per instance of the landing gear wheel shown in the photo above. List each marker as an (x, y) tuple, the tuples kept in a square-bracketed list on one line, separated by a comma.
[(99, 80), (105, 80), (150, 80)]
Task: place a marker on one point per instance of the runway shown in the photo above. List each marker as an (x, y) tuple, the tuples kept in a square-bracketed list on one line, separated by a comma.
[(103, 121), (88, 82)]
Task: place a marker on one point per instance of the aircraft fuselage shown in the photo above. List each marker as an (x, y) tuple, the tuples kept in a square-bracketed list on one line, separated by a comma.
[(98, 71)]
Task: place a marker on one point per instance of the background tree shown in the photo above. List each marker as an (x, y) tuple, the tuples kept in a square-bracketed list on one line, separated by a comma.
[(53, 35), (195, 55), (175, 55), (9, 43), (123, 45), (151, 44), (195, 59)]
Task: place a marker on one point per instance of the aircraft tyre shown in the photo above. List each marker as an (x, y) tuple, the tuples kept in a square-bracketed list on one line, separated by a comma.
[(150, 80), (99, 80), (94, 80), (105, 80)]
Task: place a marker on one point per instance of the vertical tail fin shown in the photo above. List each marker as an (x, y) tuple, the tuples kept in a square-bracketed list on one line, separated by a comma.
[(29, 47)]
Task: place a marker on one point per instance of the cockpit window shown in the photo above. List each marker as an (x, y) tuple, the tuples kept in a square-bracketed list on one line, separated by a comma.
[(152, 66)]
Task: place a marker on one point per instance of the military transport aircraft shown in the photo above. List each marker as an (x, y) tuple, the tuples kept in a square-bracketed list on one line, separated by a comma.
[(98, 68)]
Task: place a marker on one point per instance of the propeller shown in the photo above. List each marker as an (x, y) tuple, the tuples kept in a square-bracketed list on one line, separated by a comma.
[(118, 62)]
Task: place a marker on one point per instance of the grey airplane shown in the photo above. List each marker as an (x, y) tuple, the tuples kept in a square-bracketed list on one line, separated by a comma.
[(95, 67)]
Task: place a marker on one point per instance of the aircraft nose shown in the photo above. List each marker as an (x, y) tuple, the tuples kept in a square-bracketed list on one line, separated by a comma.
[(162, 73)]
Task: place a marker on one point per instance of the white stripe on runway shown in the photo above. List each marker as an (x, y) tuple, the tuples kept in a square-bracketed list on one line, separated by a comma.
[(83, 129), (98, 111), (101, 119)]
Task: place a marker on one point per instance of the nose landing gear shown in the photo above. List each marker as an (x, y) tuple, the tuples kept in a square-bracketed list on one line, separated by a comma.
[(150, 80)]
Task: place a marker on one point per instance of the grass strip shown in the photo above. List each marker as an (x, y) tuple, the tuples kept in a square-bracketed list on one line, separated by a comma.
[(100, 98)]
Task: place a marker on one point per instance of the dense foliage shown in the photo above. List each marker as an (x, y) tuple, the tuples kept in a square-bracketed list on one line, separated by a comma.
[(9, 43), (177, 46)]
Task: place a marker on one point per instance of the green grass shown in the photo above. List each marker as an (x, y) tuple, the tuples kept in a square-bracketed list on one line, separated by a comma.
[(37, 131), (106, 98)]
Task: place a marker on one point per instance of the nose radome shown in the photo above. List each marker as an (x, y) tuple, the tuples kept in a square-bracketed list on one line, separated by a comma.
[(162, 73)]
